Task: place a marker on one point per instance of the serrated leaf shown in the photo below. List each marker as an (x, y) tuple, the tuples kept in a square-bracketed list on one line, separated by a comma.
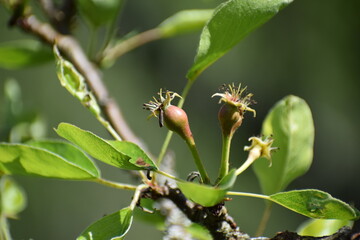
[(23, 53), (315, 204), (95, 146), (291, 125), (137, 156), (322, 227), (69, 152), (13, 198), (205, 195), (231, 22), (99, 12), (20, 159), (185, 21), (112, 227)]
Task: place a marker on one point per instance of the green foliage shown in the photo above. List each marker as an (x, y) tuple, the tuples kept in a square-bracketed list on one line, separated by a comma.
[(23, 53), (70, 152), (322, 227), (231, 22), (137, 156), (99, 12), (102, 149), (291, 124), (315, 204), (20, 159), (208, 196), (13, 198), (113, 226), (185, 21), (74, 82)]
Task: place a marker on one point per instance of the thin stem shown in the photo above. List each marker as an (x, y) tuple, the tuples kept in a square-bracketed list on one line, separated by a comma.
[(224, 166), (244, 194), (264, 220), (112, 53), (5, 233), (200, 166), (169, 175), (115, 184), (137, 196), (108, 127), (253, 155)]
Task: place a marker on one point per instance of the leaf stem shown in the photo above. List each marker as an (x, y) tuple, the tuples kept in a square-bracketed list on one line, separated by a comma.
[(244, 194), (115, 184), (112, 53), (264, 219), (225, 154), (169, 175), (200, 166), (108, 127), (137, 196)]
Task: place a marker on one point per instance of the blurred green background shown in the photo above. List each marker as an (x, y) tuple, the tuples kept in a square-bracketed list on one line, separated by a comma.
[(311, 49)]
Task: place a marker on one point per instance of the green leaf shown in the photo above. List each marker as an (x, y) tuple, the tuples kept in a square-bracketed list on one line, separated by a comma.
[(185, 21), (75, 83), (150, 215), (315, 204), (205, 195), (291, 124), (137, 156), (19, 159), (13, 198), (99, 12), (69, 152), (322, 227), (231, 22), (95, 146), (113, 226), (199, 232), (23, 53)]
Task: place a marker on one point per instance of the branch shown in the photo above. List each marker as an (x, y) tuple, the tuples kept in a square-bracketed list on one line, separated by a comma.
[(222, 226), (216, 219), (72, 49)]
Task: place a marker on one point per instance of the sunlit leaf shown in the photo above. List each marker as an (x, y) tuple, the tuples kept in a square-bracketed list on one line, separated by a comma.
[(23, 53), (20, 159), (315, 204), (231, 22), (69, 152), (185, 21), (96, 146), (291, 125), (13, 198), (205, 195), (137, 156), (112, 227), (99, 12), (322, 227)]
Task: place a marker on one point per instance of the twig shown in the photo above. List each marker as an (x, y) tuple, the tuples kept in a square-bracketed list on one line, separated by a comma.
[(74, 52)]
